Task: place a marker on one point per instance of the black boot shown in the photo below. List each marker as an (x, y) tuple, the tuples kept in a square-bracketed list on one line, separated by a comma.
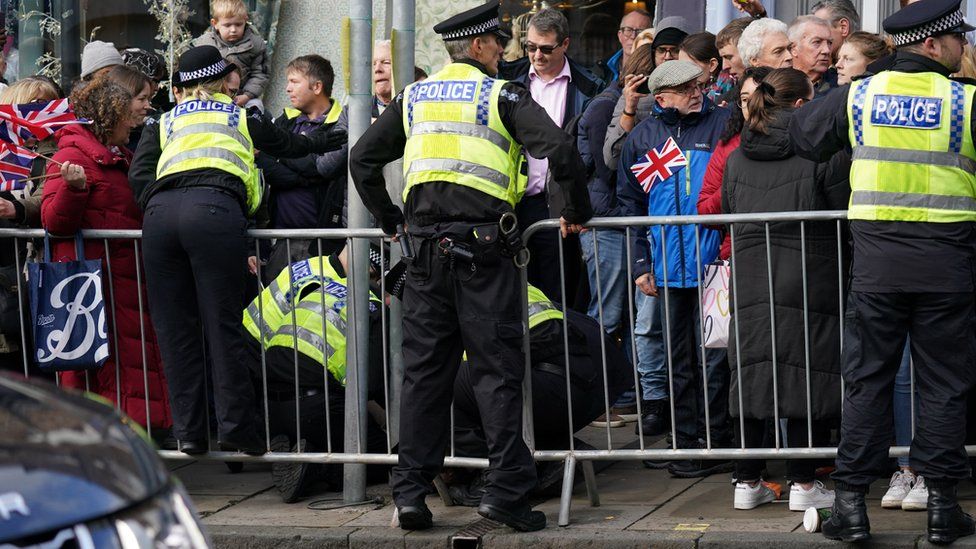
[(848, 521), (655, 419), (947, 521)]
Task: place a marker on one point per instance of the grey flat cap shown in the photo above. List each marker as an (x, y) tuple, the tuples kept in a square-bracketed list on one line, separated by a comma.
[(672, 74)]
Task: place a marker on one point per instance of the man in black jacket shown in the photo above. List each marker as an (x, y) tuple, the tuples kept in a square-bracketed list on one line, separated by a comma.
[(305, 192)]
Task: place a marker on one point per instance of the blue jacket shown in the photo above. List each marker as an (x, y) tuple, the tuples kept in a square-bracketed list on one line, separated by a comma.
[(696, 135), (592, 132)]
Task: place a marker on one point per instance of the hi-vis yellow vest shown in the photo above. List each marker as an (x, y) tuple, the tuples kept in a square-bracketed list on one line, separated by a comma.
[(330, 118), (315, 325), (914, 158), (209, 134), (455, 134), (540, 308)]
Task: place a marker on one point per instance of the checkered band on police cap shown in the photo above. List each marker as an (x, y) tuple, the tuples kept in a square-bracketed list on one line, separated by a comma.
[(474, 30), (207, 72), (932, 28)]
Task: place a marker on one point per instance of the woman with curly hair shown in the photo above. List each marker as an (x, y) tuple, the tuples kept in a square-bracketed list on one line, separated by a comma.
[(88, 188)]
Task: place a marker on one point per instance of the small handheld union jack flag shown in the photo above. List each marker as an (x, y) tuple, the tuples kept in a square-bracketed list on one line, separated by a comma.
[(659, 164), (19, 123), (15, 166)]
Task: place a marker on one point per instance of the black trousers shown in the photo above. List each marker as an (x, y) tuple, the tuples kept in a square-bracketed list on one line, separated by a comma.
[(943, 344), (687, 381), (195, 255), (450, 307)]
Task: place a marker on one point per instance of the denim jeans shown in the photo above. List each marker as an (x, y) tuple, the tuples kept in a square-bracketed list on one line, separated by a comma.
[(649, 340), (903, 403)]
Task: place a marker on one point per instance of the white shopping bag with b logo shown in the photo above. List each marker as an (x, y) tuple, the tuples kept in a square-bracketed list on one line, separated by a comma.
[(715, 305), (67, 312)]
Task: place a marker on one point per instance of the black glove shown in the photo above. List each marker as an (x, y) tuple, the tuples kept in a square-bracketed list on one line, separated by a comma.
[(328, 141)]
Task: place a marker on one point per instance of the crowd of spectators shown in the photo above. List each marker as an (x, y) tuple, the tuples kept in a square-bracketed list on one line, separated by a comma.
[(725, 100)]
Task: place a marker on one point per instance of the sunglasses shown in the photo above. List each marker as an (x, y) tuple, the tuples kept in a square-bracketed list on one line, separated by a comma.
[(546, 50)]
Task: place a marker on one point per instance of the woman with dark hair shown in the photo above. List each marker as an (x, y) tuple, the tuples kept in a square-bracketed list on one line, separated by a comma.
[(632, 105), (710, 198), (140, 87), (88, 188), (701, 50), (765, 175)]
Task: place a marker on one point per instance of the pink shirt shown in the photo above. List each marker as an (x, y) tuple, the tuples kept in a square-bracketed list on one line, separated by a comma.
[(552, 97)]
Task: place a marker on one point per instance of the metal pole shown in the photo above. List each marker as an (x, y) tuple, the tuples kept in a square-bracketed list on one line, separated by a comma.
[(402, 49), (360, 95)]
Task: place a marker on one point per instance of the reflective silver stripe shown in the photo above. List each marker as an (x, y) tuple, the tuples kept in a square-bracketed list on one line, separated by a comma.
[(309, 337), (210, 127), (913, 200), (206, 152), (279, 297), (461, 128), (909, 156), (541, 307), (262, 323), (460, 166), (331, 314)]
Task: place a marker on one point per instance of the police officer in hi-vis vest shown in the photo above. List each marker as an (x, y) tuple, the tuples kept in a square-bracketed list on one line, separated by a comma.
[(461, 134), (912, 212), (194, 174)]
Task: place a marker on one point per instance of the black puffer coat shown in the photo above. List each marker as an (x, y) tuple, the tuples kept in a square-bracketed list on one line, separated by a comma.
[(764, 175)]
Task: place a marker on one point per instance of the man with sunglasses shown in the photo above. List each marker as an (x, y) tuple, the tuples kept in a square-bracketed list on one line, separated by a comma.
[(913, 227), (562, 88), (660, 173)]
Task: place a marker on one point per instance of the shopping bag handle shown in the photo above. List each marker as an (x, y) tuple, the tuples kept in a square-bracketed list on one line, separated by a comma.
[(79, 246)]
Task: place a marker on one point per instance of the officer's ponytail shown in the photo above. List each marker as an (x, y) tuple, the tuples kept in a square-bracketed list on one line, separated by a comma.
[(204, 90), (779, 90)]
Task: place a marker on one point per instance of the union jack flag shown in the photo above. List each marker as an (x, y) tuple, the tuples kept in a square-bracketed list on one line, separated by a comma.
[(15, 167), (659, 164), (19, 123)]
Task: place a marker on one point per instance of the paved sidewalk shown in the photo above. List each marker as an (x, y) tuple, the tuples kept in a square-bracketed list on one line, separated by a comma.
[(639, 508)]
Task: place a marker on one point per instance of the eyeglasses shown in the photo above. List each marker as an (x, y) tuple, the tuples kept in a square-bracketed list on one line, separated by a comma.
[(630, 32), (688, 90), (546, 50), (667, 50)]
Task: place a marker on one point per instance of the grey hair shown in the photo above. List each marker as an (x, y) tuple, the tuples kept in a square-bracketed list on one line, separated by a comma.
[(839, 9), (751, 41), (459, 49), (551, 20), (382, 44), (799, 24)]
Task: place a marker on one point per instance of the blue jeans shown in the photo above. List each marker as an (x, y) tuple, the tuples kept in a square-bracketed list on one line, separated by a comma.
[(651, 355), (612, 287), (903, 403)]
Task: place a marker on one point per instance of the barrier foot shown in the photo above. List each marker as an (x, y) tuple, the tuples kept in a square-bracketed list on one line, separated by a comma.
[(589, 477), (569, 478)]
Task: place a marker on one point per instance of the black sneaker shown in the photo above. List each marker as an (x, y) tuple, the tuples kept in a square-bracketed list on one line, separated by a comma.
[(694, 468), (519, 517), (289, 478)]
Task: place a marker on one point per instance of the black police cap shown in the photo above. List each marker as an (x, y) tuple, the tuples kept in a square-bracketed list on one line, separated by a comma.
[(920, 20), (478, 20)]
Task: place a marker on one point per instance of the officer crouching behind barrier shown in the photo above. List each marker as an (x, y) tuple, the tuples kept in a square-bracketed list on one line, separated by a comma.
[(194, 174), (461, 134), (307, 305), (550, 412)]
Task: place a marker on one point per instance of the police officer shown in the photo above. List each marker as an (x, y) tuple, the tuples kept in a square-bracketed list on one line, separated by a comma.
[(461, 135), (913, 204), (195, 176)]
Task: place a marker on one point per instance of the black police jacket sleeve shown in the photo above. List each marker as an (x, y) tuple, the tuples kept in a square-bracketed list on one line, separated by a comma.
[(819, 128), (382, 143), (269, 138), (531, 126), (142, 169)]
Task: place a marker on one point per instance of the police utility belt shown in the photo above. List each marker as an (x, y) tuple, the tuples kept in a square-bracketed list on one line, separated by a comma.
[(465, 242)]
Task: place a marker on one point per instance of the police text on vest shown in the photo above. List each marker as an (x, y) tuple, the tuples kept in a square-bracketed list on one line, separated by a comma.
[(907, 111)]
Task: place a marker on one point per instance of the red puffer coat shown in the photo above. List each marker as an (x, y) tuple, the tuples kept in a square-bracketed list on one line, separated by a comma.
[(107, 202)]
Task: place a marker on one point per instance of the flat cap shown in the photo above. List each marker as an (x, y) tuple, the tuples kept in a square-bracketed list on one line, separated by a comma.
[(920, 20), (672, 74), (478, 20)]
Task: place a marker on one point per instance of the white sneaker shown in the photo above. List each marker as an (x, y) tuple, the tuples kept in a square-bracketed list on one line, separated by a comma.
[(898, 488), (750, 497), (817, 496), (918, 498)]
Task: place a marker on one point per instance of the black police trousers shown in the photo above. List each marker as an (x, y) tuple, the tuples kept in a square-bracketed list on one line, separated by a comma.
[(452, 306), (195, 253), (942, 329)]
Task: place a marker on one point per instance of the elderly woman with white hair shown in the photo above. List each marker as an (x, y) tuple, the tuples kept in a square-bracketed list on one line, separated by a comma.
[(766, 43)]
